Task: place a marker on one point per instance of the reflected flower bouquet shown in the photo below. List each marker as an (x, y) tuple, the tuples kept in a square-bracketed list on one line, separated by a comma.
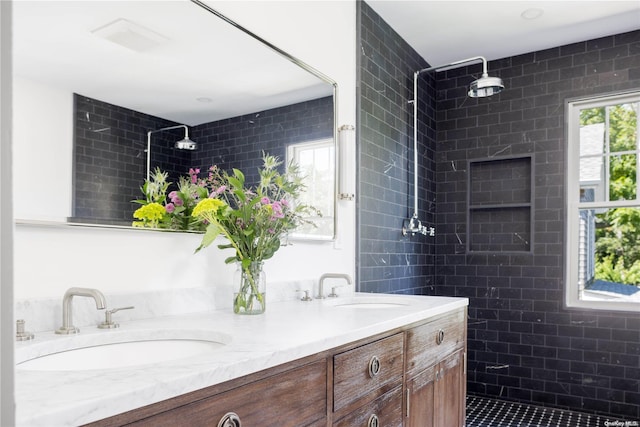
[(174, 210)]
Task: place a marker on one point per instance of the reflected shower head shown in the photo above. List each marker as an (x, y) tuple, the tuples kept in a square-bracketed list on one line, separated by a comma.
[(183, 144), (186, 144), (485, 86)]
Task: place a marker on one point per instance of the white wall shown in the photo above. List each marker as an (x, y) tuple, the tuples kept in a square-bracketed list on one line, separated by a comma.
[(48, 260), (42, 150)]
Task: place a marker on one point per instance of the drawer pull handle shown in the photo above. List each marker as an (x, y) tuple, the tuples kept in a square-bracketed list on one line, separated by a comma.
[(230, 419), (373, 421), (440, 337), (374, 366)]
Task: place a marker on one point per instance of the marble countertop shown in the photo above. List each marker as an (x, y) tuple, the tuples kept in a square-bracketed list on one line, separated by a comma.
[(289, 330)]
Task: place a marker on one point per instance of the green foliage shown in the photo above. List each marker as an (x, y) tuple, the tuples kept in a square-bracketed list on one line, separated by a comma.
[(618, 232), (613, 270), (253, 220)]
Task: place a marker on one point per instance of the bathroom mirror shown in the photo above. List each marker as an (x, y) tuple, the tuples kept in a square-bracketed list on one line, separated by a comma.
[(93, 78)]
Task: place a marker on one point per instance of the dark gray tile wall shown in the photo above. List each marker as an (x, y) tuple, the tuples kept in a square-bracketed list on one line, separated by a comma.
[(110, 159), (238, 142), (110, 144), (523, 345), (386, 260)]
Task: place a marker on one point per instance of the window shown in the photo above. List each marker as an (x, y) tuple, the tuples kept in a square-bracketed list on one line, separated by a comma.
[(603, 203), (316, 160)]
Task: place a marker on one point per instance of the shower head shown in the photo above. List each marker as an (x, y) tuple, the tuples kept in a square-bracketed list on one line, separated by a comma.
[(485, 86), (186, 144)]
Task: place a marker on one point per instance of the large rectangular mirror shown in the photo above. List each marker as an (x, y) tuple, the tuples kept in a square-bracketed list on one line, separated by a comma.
[(97, 84)]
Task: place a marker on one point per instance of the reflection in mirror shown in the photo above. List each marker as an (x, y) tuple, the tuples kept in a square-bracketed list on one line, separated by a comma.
[(315, 159), (116, 71)]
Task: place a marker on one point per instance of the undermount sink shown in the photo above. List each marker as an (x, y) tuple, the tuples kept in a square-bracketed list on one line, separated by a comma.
[(371, 305), (125, 351), (373, 302)]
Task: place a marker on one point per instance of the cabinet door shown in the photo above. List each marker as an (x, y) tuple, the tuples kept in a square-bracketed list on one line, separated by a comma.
[(420, 399), (294, 398), (435, 396), (449, 391)]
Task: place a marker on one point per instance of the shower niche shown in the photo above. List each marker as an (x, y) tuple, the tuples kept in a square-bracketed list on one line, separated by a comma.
[(500, 205)]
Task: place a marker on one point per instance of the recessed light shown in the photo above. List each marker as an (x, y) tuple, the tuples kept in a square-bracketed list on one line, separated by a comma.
[(204, 99), (532, 13)]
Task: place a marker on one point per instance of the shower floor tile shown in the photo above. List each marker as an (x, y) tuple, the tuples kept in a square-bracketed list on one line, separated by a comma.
[(485, 412)]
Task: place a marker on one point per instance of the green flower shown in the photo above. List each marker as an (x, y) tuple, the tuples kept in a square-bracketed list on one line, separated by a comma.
[(207, 207), (149, 215)]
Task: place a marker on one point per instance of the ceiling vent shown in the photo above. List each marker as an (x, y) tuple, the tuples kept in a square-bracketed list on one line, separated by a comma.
[(130, 35)]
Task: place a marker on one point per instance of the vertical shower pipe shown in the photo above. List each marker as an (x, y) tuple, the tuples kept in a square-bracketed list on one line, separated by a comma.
[(413, 224)]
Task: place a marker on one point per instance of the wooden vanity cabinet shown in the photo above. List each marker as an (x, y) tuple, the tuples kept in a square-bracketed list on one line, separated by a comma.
[(413, 376)]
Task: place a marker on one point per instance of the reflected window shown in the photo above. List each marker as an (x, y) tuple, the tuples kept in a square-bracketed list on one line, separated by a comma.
[(603, 216), (316, 160)]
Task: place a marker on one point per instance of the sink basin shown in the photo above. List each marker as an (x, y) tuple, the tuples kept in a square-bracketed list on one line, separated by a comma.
[(371, 305), (373, 302), (123, 351)]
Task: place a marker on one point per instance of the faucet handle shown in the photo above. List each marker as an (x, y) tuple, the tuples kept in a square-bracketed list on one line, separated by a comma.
[(306, 296), (333, 291), (108, 322), (21, 334)]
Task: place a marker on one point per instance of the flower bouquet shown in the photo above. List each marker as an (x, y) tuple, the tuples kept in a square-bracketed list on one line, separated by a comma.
[(254, 222)]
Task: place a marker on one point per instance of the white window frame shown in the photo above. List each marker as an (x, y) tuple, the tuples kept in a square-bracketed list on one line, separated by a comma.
[(573, 204)]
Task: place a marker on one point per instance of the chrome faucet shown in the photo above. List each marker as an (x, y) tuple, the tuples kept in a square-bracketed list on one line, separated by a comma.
[(331, 276), (67, 309)]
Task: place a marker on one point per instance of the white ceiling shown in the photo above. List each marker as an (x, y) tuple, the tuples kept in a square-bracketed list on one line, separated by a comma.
[(446, 31), (203, 58), (201, 70)]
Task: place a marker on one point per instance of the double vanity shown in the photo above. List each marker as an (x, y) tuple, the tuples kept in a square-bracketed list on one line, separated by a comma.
[(361, 360)]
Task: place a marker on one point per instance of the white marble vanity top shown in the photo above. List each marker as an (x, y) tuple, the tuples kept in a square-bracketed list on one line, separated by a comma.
[(289, 330)]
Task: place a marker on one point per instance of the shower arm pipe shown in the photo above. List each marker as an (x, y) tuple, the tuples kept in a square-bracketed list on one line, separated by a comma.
[(186, 135), (413, 227)]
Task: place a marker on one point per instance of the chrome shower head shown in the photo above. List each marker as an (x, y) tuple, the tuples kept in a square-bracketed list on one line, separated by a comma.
[(186, 144), (485, 86)]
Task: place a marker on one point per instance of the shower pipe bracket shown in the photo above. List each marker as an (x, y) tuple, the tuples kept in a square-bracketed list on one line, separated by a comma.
[(414, 226)]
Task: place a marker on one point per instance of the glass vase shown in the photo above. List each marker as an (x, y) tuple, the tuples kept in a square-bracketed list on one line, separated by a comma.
[(251, 283)]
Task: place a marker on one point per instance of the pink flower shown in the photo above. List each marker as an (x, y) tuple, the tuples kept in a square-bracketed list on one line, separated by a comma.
[(193, 173), (173, 195), (177, 201), (285, 203), (221, 189), (265, 200), (170, 207)]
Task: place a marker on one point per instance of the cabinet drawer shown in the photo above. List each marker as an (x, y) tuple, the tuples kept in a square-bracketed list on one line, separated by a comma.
[(428, 343), (294, 398), (387, 409), (362, 370)]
